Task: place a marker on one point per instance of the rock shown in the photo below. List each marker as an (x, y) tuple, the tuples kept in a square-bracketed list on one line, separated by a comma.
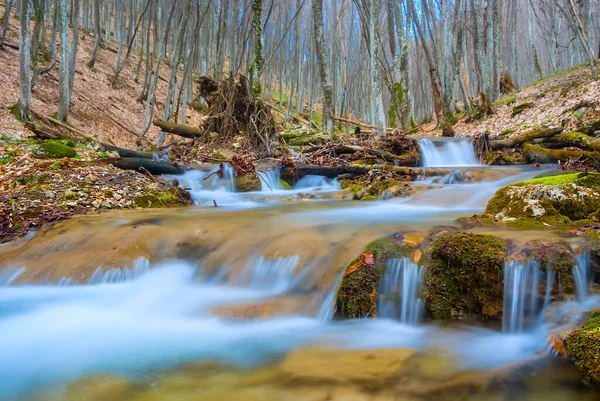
[(90, 179), (55, 149), (248, 183), (584, 345), (70, 194), (540, 95), (97, 203), (553, 200), (504, 157), (357, 295), (463, 276), (552, 255)]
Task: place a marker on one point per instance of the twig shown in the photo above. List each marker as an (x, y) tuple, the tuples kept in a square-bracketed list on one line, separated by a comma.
[(147, 172)]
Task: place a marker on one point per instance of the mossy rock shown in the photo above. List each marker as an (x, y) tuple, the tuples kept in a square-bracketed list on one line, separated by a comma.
[(537, 154), (358, 292), (552, 200), (285, 185), (584, 345), (248, 183), (463, 276), (167, 197), (552, 255), (55, 149), (521, 108)]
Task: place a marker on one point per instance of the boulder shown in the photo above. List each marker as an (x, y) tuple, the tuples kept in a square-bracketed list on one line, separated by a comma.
[(358, 292), (463, 276), (584, 345), (553, 200)]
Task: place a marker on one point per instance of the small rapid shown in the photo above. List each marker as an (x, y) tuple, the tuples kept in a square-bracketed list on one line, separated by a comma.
[(450, 153), (400, 292)]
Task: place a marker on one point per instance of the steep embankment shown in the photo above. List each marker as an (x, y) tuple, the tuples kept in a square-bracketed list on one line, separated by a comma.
[(569, 99), (97, 109)]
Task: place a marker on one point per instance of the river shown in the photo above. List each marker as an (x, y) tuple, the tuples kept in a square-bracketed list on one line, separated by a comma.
[(235, 302)]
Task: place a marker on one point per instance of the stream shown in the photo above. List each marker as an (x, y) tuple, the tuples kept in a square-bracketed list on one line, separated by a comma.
[(235, 302)]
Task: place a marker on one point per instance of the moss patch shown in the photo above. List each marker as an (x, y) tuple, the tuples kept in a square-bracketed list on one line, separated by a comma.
[(156, 199), (357, 295), (521, 108), (464, 276), (584, 345), (248, 183), (55, 149)]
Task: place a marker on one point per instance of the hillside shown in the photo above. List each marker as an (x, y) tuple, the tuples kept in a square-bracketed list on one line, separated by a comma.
[(113, 115)]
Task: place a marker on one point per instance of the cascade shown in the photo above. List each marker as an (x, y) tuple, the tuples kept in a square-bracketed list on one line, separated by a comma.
[(450, 178), (276, 274), (581, 273), (318, 181), (10, 274), (270, 180), (521, 308), (400, 290), (117, 275), (453, 153)]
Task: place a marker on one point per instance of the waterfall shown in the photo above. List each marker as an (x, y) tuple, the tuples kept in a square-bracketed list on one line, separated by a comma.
[(453, 153), (521, 308), (10, 274), (117, 275), (208, 186), (277, 274), (399, 298), (318, 182), (270, 180), (581, 273)]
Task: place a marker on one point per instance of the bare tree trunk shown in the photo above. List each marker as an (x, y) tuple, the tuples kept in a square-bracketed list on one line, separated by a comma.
[(257, 28), (74, 45), (377, 99), (8, 7), (98, 33), (64, 93), (319, 36), (24, 61)]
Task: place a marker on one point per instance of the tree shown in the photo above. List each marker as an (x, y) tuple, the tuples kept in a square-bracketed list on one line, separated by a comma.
[(319, 38), (24, 61)]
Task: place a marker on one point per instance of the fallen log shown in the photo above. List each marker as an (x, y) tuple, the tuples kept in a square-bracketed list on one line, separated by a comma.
[(152, 166), (537, 154), (43, 132), (126, 152), (291, 175), (408, 159), (361, 124), (185, 131), (526, 137), (576, 139)]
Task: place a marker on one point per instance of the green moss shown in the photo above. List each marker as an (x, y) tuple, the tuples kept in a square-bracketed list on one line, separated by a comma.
[(15, 110), (156, 199), (464, 276), (507, 100), (5, 159), (56, 149), (357, 295), (285, 185), (507, 131), (521, 108), (368, 198), (588, 180), (584, 345), (248, 183)]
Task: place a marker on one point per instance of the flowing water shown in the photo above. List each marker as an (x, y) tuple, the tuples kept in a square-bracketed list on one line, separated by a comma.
[(448, 153), (236, 302)]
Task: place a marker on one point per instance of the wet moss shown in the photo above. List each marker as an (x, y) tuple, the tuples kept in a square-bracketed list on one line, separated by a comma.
[(56, 149), (584, 345), (156, 199), (521, 108), (285, 185), (248, 183), (463, 276), (357, 295)]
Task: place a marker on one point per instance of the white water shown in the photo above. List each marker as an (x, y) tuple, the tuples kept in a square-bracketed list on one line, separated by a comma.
[(454, 153), (581, 273), (450, 178), (522, 309), (117, 275), (270, 180), (400, 292), (51, 334), (10, 274), (317, 182)]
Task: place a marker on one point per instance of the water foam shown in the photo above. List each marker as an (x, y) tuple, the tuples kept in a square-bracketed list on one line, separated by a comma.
[(454, 153)]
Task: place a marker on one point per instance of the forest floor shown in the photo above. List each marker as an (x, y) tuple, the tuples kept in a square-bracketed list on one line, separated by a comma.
[(568, 99)]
